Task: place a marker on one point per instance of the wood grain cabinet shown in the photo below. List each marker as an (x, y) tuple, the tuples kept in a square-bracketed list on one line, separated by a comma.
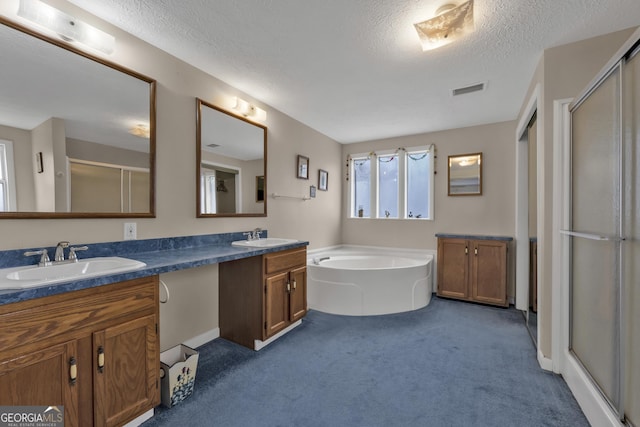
[(94, 351), (473, 270), (262, 295)]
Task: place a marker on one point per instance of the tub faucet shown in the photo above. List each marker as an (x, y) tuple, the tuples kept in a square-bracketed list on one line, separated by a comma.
[(317, 261)]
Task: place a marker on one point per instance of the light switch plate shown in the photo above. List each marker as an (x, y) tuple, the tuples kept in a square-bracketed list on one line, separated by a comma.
[(130, 231)]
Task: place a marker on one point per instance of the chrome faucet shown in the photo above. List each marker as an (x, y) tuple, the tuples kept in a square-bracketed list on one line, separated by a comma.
[(59, 255), (44, 258), (253, 235), (256, 233)]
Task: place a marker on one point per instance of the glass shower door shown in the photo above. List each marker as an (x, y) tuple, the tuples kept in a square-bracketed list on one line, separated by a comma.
[(595, 258)]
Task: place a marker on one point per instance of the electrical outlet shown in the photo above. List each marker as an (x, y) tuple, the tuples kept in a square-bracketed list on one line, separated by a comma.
[(129, 231)]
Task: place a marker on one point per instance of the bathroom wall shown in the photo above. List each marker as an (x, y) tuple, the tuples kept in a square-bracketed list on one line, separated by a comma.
[(491, 213), (178, 84), (562, 73)]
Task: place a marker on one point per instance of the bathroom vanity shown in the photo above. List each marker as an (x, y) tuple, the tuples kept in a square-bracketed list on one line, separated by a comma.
[(473, 268), (262, 296), (92, 344), (94, 351)]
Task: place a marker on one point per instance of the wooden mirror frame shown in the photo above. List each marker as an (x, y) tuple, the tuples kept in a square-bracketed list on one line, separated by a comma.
[(152, 135), (199, 214)]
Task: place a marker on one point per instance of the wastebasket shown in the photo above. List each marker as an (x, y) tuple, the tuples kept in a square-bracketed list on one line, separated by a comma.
[(177, 374)]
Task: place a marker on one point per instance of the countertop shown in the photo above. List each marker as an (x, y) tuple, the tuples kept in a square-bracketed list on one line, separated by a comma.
[(473, 237), (165, 259)]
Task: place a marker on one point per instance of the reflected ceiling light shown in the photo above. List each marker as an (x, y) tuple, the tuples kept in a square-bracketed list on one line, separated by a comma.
[(141, 130), (450, 23), (66, 26), (249, 110)]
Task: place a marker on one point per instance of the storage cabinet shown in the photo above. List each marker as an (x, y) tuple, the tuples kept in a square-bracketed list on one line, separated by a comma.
[(94, 351), (262, 295), (473, 269)]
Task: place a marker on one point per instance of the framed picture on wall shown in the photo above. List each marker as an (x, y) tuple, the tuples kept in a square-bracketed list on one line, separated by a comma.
[(260, 188), (323, 180), (303, 167)]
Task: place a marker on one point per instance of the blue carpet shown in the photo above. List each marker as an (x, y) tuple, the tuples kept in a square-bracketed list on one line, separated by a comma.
[(448, 364)]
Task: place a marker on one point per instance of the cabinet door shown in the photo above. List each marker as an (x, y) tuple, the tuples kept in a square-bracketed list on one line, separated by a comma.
[(276, 304), (127, 363), (453, 271), (42, 378), (489, 272), (298, 296)]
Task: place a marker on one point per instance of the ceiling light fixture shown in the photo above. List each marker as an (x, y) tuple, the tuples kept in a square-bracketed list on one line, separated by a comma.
[(450, 23), (66, 26), (249, 110), (141, 131)]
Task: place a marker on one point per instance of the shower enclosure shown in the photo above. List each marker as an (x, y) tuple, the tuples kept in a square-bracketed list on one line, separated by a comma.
[(604, 258)]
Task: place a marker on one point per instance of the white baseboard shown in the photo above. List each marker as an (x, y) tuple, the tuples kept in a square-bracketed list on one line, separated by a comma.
[(142, 418), (593, 405), (202, 339), (545, 362), (259, 345)]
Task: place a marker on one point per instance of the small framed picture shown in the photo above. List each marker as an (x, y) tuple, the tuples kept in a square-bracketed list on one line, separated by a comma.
[(303, 167), (259, 188), (312, 191), (323, 180)]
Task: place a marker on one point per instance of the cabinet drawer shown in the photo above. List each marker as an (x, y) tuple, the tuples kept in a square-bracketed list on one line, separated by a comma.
[(47, 317), (285, 260)]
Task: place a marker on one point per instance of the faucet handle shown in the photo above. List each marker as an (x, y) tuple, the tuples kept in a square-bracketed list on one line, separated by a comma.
[(249, 235), (72, 252), (44, 259), (256, 233)]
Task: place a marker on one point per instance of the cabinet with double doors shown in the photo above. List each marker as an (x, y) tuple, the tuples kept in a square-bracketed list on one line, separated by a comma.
[(473, 268), (94, 352), (262, 295)]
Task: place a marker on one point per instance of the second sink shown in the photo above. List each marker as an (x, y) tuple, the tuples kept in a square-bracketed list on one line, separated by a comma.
[(268, 242)]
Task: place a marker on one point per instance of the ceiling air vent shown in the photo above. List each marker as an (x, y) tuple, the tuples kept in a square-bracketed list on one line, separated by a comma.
[(468, 89), (213, 145)]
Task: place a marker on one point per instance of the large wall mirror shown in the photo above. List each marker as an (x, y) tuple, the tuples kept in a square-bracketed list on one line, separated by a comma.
[(77, 133), (231, 154)]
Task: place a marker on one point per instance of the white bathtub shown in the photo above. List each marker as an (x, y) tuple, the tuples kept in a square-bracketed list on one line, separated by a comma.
[(360, 280)]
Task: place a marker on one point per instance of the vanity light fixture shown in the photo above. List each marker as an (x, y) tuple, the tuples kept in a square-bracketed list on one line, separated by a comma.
[(66, 26), (450, 23), (141, 130), (249, 110)]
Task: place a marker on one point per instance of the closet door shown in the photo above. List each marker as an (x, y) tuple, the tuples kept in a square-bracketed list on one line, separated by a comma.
[(595, 230)]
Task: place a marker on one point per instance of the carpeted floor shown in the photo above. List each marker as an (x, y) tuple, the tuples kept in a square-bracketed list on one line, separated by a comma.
[(449, 364)]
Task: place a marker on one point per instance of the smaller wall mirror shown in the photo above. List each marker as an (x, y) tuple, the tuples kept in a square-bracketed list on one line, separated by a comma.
[(465, 175), (231, 156)]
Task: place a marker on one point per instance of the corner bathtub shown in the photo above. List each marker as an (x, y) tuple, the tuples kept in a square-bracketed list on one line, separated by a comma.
[(360, 280)]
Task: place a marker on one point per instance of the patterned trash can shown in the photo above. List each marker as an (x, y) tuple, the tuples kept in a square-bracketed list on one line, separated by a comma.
[(177, 374)]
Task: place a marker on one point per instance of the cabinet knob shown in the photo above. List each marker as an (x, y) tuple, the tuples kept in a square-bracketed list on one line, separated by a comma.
[(288, 287), (466, 250), (73, 371), (294, 285), (475, 251), (100, 359)]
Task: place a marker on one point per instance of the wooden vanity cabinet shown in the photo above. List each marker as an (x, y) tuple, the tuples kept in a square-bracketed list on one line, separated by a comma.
[(262, 295), (473, 270), (94, 351)]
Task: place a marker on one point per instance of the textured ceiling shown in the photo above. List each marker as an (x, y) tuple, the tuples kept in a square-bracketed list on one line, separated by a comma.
[(354, 69)]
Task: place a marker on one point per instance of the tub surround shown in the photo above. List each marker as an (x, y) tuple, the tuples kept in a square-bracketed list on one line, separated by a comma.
[(160, 256)]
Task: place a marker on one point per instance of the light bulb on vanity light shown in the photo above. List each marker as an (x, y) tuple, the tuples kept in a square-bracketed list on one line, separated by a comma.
[(248, 110), (65, 26)]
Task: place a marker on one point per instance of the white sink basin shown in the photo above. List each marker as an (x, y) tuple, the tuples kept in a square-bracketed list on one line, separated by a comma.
[(32, 276), (268, 242)]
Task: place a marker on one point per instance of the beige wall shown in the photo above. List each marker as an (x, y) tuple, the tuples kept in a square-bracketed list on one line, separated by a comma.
[(317, 221), (563, 73), (85, 150), (489, 214)]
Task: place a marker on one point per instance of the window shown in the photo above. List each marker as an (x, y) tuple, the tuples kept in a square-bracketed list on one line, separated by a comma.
[(7, 182), (361, 173), (399, 186)]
